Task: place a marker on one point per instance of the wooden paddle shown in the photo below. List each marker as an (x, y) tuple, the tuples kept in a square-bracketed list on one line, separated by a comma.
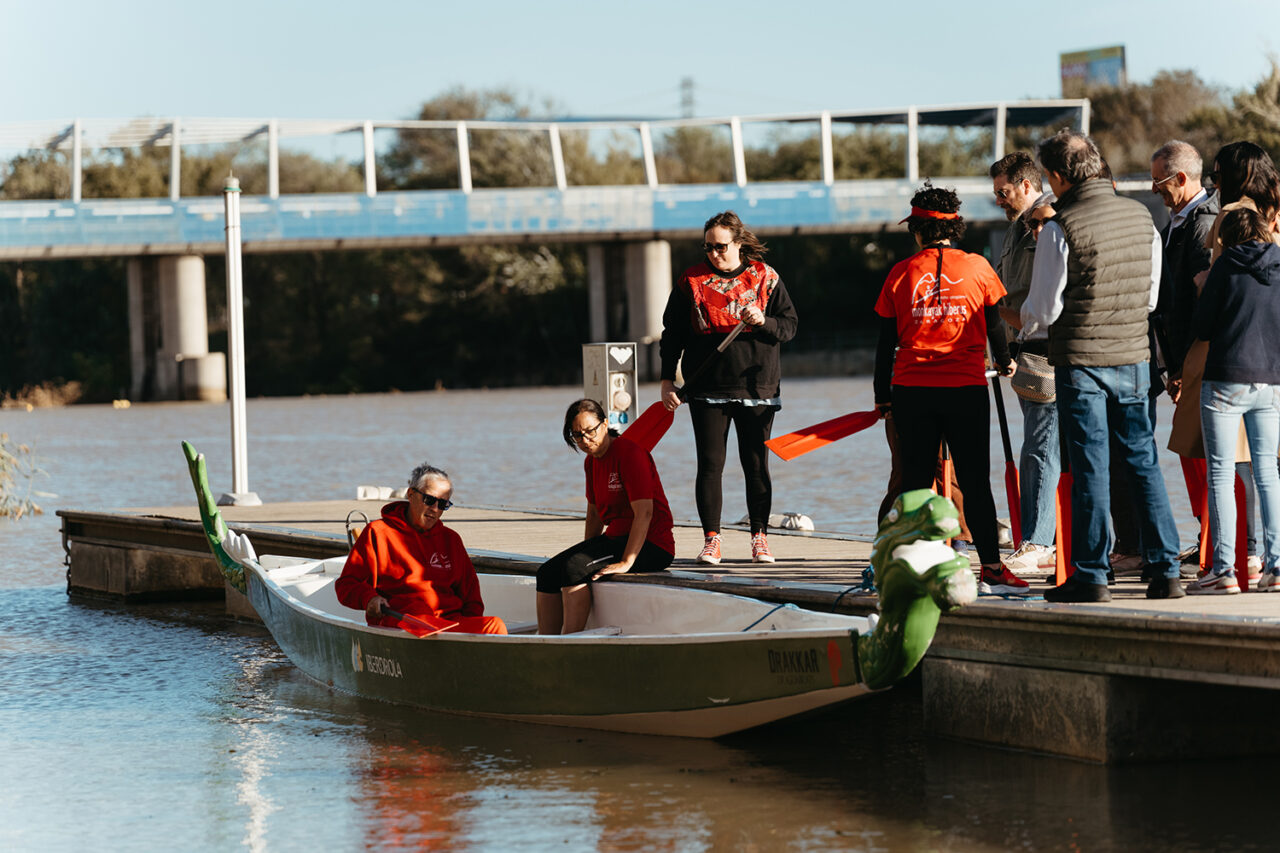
[(802, 441), (1011, 488), (653, 423)]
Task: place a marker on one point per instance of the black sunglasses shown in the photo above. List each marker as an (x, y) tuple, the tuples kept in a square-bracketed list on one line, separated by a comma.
[(708, 248), (577, 435), (431, 500)]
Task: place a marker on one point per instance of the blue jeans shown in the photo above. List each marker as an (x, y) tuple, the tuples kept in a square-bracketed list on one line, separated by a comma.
[(1221, 406), (1094, 403), (1038, 468)]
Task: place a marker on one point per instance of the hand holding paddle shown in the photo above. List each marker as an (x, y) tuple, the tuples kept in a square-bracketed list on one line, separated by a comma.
[(654, 421)]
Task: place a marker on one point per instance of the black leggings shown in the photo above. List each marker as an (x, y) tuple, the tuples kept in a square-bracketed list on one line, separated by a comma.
[(576, 565), (752, 425), (924, 417)]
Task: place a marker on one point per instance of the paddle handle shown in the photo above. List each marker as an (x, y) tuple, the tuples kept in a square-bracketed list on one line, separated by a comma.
[(702, 368), (1004, 420)]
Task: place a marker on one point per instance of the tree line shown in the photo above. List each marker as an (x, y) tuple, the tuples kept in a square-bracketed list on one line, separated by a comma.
[(361, 321)]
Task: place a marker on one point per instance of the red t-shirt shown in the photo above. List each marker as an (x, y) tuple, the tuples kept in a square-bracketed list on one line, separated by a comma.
[(942, 330), (624, 474)]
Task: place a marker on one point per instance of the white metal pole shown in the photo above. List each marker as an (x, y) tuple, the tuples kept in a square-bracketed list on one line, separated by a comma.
[(999, 131), (240, 494)]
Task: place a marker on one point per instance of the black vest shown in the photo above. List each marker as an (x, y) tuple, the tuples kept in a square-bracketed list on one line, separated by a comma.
[(1104, 312)]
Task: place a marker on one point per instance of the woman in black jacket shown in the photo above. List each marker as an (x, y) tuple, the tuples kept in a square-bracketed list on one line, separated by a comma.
[(741, 387)]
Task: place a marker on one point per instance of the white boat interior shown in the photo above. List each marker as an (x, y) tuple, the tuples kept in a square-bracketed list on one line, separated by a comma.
[(619, 609)]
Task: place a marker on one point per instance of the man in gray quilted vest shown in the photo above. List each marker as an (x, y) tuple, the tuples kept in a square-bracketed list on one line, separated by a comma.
[(1095, 279), (1015, 180)]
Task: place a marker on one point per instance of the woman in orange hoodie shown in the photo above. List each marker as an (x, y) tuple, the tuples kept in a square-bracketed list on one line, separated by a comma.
[(409, 562)]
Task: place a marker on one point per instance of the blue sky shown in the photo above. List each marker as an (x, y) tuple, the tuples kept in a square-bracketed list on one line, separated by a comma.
[(380, 59)]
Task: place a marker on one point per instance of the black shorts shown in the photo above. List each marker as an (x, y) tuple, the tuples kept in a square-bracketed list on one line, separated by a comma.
[(576, 565)]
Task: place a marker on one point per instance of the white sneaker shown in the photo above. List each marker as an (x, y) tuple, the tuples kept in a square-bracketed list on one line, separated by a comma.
[(1032, 559), (1255, 567), (1269, 582), (1222, 583)]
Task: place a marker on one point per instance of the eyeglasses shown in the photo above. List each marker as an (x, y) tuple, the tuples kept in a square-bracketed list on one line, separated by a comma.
[(1155, 183), (1003, 193), (708, 248), (588, 432), (431, 500)]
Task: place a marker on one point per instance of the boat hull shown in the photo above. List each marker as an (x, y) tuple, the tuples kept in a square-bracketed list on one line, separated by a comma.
[(704, 685)]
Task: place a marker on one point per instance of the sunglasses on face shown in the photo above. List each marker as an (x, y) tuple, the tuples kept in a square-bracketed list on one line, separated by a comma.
[(708, 248), (577, 435), (1003, 193), (431, 500)]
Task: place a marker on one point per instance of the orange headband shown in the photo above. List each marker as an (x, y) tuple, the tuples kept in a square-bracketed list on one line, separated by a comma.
[(924, 213)]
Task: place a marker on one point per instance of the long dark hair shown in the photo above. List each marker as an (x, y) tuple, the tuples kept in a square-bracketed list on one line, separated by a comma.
[(1243, 170), (576, 408), (752, 249)]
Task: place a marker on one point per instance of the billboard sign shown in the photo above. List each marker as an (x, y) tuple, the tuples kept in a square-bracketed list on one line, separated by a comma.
[(1086, 69)]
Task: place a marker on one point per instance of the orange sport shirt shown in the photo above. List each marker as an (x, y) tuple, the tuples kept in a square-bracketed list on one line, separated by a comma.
[(942, 330)]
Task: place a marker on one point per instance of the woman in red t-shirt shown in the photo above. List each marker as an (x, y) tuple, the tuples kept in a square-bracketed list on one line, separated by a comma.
[(628, 521), (938, 311)]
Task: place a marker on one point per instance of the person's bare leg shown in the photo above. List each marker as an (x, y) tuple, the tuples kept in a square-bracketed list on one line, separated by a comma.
[(577, 607), (550, 613)]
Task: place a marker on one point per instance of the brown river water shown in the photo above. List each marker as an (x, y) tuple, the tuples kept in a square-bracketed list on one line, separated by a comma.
[(169, 727)]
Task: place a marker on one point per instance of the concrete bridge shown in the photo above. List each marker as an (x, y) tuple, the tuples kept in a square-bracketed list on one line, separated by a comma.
[(626, 226)]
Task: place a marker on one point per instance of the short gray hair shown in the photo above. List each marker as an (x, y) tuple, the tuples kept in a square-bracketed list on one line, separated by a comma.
[(1179, 156), (425, 472), (1074, 156)]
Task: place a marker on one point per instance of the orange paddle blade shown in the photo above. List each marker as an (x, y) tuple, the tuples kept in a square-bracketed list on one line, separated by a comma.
[(648, 429), (420, 626), (802, 441)]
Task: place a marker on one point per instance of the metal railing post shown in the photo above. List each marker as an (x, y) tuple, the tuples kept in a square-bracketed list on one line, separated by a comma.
[(273, 158), (646, 150), (828, 151), (557, 157), (77, 169), (175, 160), (739, 158), (913, 145), (1002, 116), (464, 158), (370, 165)]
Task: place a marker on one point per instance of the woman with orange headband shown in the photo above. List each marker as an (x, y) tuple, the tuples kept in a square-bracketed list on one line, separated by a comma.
[(938, 311)]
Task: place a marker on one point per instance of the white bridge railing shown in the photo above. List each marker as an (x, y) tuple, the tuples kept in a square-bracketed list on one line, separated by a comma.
[(78, 136)]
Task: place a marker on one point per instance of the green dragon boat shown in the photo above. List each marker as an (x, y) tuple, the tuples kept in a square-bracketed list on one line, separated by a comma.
[(653, 660)]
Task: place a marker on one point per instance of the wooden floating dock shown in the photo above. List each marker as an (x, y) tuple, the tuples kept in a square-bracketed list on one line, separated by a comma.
[(1128, 680)]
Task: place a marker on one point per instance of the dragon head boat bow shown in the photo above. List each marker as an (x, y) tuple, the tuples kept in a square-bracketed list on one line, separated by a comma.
[(918, 577)]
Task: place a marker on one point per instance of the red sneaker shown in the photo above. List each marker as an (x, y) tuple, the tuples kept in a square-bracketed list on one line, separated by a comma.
[(711, 550), (998, 580), (760, 549)]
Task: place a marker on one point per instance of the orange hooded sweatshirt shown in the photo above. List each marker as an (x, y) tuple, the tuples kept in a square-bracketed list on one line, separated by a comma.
[(421, 574)]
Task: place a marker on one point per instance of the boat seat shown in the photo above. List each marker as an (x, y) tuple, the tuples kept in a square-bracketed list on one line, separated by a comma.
[(522, 627), (602, 631)]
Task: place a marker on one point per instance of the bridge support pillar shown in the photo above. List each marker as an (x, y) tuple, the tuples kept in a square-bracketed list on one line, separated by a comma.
[(169, 331), (627, 288)]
